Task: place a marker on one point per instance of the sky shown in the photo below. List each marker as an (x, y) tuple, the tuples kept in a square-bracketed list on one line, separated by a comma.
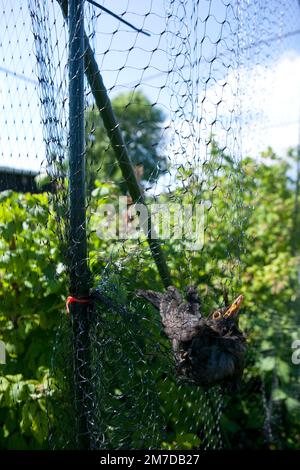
[(227, 68)]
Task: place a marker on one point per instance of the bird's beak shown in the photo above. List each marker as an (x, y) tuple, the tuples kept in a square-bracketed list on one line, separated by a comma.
[(232, 311)]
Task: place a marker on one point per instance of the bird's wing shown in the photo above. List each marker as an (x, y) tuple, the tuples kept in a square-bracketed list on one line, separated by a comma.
[(153, 297), (178, 321)]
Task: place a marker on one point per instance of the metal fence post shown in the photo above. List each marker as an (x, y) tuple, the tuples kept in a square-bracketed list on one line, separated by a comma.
[(114, 133), (79, 273)]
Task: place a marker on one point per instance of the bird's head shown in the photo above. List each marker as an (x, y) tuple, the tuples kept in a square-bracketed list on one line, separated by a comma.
[(228, 316)]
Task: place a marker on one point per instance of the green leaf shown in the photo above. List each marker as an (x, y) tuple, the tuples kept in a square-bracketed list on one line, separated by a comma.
[(292, 404), (278, 394), (283, 371), (266, 364)]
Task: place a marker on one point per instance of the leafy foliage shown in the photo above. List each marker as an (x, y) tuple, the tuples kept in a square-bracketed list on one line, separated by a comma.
[(249, 228), (31, 287)]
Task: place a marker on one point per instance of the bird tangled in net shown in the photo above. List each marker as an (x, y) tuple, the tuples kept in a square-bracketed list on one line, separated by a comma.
[(207, 350)]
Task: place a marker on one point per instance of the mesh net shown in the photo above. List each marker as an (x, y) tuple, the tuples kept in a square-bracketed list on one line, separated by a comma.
[(199, 90)]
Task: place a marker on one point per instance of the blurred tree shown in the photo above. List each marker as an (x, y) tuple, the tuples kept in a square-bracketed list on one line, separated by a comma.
[(143, 132), (294, 154)]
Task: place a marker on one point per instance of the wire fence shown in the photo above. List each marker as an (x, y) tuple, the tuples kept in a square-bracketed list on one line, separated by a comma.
[(161, 107)]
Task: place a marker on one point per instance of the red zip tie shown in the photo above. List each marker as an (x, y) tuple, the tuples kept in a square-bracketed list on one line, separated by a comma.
[(71, 300)]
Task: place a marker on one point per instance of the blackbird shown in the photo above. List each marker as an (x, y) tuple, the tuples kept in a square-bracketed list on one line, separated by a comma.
[(207, 350)]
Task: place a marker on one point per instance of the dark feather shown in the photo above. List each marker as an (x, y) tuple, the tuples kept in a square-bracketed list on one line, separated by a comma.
[(207, 351)]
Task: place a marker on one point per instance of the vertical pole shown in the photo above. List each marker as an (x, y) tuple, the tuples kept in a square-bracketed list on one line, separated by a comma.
[(114, 133), (79, 274)]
